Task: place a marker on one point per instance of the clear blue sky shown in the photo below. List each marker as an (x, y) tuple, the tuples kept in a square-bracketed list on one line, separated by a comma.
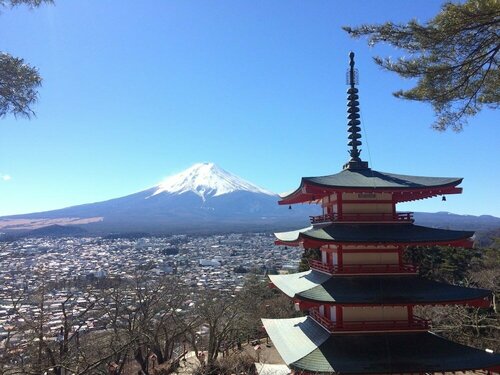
[(137, 90)]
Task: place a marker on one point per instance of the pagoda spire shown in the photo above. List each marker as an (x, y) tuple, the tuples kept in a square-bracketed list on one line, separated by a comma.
[(353, 117)]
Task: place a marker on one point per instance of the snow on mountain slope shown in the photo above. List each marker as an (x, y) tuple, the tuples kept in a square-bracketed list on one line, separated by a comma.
[(206, 180)]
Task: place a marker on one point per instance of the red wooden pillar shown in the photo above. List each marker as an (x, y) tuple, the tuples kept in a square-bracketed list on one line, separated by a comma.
[(339, 204), (340, 319), (328, 312), (409, 308), (393, 207)]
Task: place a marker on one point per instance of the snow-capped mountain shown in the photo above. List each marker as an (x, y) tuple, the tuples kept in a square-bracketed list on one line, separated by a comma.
[(206, 180), (203, 198)]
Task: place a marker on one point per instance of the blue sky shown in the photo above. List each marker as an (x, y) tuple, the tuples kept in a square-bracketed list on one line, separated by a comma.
[(136, 91)]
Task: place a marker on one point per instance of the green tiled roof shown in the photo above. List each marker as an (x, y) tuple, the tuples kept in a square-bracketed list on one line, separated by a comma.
[(379, 180), (316, 286), (296, 283), (393, 353), (295, 338), (374, 233), (305, 345), (291, 236)]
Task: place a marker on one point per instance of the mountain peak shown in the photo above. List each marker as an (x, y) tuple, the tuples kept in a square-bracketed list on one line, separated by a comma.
[(206, 180)]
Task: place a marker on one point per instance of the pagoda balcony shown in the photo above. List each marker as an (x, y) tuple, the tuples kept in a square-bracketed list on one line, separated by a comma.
[(354, 269), (414, 324), (398, 217)]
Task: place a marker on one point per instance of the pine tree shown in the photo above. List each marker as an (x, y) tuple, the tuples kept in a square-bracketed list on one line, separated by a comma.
[(453, 57), (19, 81)]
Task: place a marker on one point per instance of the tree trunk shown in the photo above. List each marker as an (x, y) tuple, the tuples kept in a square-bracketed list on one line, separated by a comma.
[(142, 359)]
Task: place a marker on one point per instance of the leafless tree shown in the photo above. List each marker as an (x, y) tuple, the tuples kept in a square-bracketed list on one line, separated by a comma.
[(146, 318), (218, 315)]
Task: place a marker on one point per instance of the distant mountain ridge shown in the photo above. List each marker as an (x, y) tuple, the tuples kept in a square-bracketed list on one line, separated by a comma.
[(202, 199), (455, 221)]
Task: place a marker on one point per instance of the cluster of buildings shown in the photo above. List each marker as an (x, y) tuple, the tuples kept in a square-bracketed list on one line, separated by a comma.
[(203, 262)]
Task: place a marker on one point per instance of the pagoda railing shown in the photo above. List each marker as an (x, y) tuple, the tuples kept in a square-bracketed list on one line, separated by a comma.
[(362, 268), (413, 324), (400, 217)]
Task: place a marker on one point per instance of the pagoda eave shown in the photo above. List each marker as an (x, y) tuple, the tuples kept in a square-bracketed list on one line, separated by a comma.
[(309, 192), (414, 194), (307, 347), (318, 235), (305, 194), (314, 287)]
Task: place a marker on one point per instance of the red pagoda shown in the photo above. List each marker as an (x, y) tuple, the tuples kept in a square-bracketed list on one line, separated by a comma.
[(360, 296)]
